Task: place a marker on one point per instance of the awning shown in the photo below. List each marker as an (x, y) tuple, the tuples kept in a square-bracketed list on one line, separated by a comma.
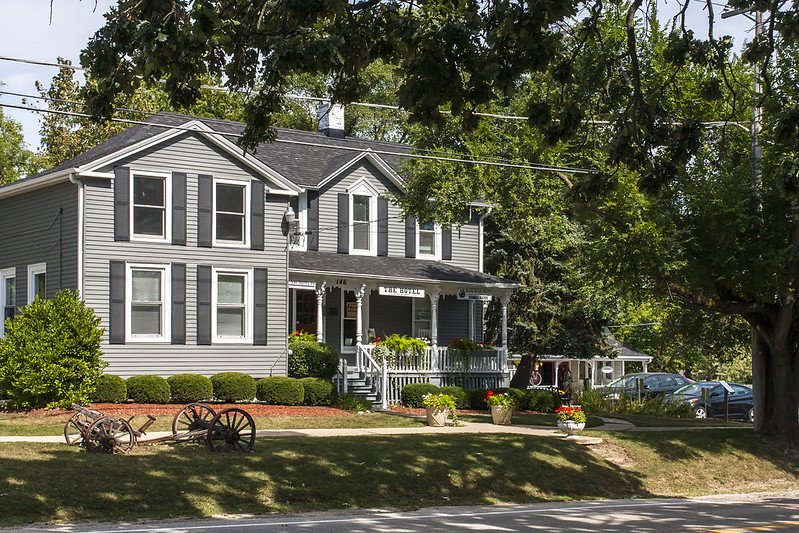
[(400, 269)]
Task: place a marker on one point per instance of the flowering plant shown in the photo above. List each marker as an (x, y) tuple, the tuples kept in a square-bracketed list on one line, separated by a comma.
[(499, 400), (441, 402), (300, 336), (575, 414)]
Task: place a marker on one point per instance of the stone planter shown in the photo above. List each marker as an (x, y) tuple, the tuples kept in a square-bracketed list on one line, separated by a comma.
[(570, 427), (437, 417), (500, 415)]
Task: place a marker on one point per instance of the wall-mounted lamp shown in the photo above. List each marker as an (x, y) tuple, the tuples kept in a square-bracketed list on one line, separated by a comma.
[(291, 225)]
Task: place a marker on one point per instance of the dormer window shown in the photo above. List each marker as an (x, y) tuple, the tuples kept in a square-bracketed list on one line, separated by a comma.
[(363, 219), (428, 239)]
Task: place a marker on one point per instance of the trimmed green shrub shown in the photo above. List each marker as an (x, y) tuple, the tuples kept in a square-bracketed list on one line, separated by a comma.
[(190, 388), (413, 393), (318, 391), (50, 356), (350, 402), (148, 389), (476, 399), (110, 389), (542, 401), (459, 393), (233, 387), (310, 359), (280, 390)]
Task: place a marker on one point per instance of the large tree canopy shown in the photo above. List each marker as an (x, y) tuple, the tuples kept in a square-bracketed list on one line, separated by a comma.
[(670, 205), (16, 160)]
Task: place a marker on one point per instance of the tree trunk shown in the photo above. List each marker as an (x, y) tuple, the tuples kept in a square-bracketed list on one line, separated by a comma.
[(783, 420), (760, 382), (522, 376)]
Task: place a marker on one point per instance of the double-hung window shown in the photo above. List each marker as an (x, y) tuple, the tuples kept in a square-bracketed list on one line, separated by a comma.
[(37, 281), (428, 240), (149, 214), (8, 296), (232, 306), (363, 219), (231, 205), (148, 309)]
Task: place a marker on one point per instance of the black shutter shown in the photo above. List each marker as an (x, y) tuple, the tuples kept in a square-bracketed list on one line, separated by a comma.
[(257, 215), (179, 208), (313, 221), (205, 199), (122, 204), (21, 288), (343, 223), (446, 243), (203, 304), (178, 303), (410, 236), (259, 315), (382, 226), (116, 310)]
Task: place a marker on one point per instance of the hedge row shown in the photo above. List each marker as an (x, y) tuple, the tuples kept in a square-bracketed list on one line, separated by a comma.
[(542, 401), (225, 387)]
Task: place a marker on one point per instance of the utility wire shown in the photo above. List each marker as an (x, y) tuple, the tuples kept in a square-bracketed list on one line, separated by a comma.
[(500, 116), (544, 168)]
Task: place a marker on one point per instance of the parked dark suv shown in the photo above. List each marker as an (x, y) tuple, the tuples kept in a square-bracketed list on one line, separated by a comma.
[(655, 384), (741, 403)]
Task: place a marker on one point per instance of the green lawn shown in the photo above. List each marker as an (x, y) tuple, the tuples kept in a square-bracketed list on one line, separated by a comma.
[(21, 424), (528, 419), (52, 482)]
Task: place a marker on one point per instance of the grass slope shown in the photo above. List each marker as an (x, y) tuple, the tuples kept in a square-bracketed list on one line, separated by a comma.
[(48, 482)]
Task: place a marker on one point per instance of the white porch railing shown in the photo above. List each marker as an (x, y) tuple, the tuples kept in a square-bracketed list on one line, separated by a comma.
[(486, 369)]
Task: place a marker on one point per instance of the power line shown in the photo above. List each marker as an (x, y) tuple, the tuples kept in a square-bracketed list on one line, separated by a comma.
[(544, 168), (444, 153), (500, 116)]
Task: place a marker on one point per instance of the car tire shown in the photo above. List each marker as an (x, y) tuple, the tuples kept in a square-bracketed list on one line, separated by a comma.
[(751, 415), (700, 412)]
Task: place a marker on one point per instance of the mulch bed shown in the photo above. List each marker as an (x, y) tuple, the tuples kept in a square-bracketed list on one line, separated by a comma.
[(138, 409)]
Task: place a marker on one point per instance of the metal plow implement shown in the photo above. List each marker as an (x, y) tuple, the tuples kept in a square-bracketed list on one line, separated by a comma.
[(229, 430)]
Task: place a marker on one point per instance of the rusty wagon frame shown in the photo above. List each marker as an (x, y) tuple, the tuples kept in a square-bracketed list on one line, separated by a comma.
[(229, 430)]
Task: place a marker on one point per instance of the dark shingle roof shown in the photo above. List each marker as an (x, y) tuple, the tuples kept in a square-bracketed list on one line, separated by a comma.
[(305, 166), (399, 268)]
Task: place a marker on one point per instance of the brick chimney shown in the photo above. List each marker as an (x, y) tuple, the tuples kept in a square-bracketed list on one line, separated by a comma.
[(331, 120)]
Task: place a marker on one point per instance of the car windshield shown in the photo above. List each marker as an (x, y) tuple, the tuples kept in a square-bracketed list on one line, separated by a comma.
[(694, 388)]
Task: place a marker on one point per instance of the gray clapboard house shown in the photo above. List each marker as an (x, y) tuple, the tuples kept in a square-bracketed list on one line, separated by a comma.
[(200, 258)]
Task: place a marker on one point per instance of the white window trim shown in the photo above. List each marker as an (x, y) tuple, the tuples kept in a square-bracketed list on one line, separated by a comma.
[(247, 213), (249, 306), (437, 255), (167, 177), (38, 268), (166, 302), (8, 273), (302, 223), (363, 188)]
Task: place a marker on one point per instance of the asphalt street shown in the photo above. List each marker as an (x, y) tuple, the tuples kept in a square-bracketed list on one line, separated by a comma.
[(713, 514)]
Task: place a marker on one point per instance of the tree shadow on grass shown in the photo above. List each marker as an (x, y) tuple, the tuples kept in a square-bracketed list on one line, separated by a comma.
[(50, 482)]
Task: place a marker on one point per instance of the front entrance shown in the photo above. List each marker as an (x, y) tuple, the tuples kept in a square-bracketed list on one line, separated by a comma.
[(303, 310)]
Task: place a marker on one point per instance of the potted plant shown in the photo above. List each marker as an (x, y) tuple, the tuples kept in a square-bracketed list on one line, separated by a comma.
[(439, 406), (501, 405), (571, 420)]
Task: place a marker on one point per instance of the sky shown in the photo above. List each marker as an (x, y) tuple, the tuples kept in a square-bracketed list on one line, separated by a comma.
[(27, 32)]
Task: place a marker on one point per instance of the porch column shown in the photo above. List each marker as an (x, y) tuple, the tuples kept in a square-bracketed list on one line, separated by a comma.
[(434, 296), (504, 299), (622, 368), (320, 300), (359, 316), (471, 320), (646, 365)]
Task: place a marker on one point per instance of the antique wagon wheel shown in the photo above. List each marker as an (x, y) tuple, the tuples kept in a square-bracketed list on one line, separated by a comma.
[(109, 435), (73, 429), (232, 430), (192, 417)]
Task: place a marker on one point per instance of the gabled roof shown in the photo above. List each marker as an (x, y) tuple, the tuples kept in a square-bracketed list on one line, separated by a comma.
[(306, 159)]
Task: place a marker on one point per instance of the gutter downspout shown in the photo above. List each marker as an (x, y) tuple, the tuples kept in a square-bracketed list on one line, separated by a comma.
[(81, 201)]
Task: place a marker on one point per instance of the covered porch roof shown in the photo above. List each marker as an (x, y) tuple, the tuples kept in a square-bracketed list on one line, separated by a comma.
[(391, 269)]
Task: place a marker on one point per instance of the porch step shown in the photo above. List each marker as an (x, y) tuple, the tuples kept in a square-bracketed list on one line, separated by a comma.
[(363, 388)]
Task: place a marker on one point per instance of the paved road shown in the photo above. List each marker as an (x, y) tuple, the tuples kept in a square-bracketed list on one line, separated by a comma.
[(716, 514)]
